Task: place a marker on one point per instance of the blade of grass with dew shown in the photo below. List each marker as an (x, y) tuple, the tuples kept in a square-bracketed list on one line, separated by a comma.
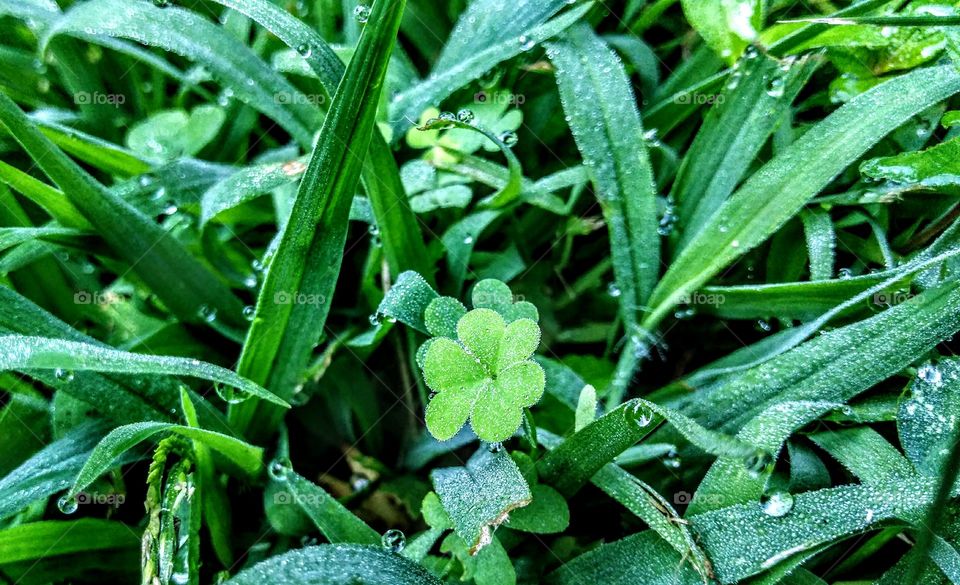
[(51, 199), (187, 34), (24, 352), (335, 563), (190, 291), (35, 541), (470, 53), (781, 188), (399, 227), (593, 90), (308, 256), (247, 458), (746, 112)]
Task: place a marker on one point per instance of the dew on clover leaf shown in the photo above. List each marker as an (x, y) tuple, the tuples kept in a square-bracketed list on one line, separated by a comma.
[(485, 375)]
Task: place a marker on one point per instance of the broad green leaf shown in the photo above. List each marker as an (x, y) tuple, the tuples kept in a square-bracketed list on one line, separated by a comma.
[(728, 26), (335, 564), (189, 290), (781, 188), (487, 34), (290, 496), (926, 418), (22, 352), (586, 407), (547, 513), (120, 440), (934, 169), (407, 300), (479, 497), (168, 135), (308, 256)]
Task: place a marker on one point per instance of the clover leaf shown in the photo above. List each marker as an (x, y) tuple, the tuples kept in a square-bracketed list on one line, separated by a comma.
[(484, 375)]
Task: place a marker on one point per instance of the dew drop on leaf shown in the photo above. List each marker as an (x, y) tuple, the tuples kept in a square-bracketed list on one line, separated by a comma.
[(207, 313), (63, 376), (638, 413), (777, 504), (361, 13), (248, 312), (613, 290), (279, 469), (68, 504), (305, 50), (466, 116), (758, 462), (509, 138), (393, 540)]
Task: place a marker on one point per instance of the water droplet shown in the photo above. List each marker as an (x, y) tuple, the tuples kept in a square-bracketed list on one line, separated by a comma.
[(466, 116), (280, 469), (305, 49), (684, 313), (764, 325), (777, 504), (845, 272), (63, 376), (931, 375), (362, 13), (248, 312), (68, 504), (639, 413), (375, 319), (613, 290), (735, 244), (393, 540), (207, 313), (495, 447), (758, 462), (776, 87), (509, 138), (229, 394), (358, 482), (161, 3), (526, 43), (373, 230), (468, 240)]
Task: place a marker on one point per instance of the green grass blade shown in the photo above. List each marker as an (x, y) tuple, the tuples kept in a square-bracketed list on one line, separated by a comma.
[(307, 259), (780, 189), (399, 227), (89, 536), (248, 458), (22, 352), (594, 90)]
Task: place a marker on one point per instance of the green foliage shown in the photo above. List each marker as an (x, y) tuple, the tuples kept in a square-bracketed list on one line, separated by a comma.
[(491, 292)]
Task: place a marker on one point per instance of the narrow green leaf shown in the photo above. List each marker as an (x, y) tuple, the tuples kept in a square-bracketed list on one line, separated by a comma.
[(781, 188), (55, 538), (21, 352), (616, 564), (307, 259), (821, 242), (120, 440), (599, 101), (292, 492)]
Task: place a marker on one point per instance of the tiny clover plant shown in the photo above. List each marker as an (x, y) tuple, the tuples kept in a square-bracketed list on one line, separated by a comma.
[(478, 363)]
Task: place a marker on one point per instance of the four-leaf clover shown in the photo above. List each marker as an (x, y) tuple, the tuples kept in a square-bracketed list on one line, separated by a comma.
[(485, 374)]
